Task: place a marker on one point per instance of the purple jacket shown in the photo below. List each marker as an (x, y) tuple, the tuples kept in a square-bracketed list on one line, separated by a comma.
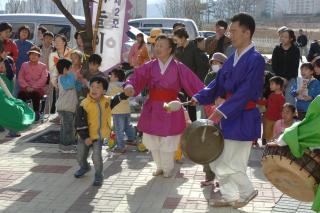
[(245, 82)]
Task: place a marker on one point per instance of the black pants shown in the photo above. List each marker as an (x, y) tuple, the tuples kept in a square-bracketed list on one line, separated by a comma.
[(34, 96), (192, 111)]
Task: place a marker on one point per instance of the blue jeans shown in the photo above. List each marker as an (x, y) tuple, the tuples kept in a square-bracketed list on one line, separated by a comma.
[(122, 124), (67, 130), (83, 152), (289, 98)]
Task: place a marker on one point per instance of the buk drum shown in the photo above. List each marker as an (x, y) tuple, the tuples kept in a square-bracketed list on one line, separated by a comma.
[(202, 141), (296, 177)]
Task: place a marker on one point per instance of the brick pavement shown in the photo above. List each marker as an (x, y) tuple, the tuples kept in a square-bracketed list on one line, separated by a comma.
[(36, 178)]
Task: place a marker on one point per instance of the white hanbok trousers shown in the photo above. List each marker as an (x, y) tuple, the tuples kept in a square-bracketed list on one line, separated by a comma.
[(230, 169), (162, 150)]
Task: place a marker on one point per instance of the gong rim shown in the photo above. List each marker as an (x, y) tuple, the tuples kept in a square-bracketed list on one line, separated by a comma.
[(198, 151)]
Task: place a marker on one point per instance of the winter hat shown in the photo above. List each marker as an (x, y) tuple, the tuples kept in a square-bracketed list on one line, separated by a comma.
[(220, 57)]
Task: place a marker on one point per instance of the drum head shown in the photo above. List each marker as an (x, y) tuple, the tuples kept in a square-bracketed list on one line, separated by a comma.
[(199, 149), (287, 176)]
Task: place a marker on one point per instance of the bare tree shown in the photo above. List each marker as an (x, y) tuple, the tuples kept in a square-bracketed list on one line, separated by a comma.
[(86, 31), (224, 9), (36, 6), (183, 9), (13, 6)]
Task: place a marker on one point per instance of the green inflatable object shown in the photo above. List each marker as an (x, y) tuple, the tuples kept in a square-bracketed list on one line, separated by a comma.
[(14, 114), (306, 134)]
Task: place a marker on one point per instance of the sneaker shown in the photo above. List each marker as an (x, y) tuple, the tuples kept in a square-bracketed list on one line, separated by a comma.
[(97, 181), (243, 202), (79, 173)]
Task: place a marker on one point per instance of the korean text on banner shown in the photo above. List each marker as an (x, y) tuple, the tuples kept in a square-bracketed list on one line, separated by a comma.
[(111, 25)]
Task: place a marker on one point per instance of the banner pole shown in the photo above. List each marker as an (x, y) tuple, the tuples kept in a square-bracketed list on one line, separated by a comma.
[(95, 31)]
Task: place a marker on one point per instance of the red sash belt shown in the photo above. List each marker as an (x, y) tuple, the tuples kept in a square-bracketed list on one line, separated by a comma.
[(250, 104), (165, 95)]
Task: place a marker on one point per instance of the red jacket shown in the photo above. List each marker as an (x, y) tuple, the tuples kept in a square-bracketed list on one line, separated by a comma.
[(12, 50), (274, 105)]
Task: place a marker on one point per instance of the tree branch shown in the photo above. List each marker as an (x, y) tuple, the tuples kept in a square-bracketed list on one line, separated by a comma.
[(68, 15)]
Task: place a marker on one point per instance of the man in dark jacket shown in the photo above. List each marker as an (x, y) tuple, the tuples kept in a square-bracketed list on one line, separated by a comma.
[(302, 41), (314, 50), (188, 54), (219, 42)]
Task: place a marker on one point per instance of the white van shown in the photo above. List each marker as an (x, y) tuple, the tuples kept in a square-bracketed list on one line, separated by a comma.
[(58, 24), (143, 23)]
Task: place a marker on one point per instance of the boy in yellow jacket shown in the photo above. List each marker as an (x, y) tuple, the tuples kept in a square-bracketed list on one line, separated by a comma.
[(93, 124)]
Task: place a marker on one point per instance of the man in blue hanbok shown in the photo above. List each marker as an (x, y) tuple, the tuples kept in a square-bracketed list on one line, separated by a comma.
[(240, 82)]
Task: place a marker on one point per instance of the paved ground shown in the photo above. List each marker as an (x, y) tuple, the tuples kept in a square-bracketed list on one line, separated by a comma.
[(36, 178)]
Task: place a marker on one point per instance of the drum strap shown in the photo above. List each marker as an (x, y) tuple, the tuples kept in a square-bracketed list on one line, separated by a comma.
[(250, 104)]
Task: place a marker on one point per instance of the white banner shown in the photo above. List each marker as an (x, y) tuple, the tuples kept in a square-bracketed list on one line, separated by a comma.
[(111, 24)]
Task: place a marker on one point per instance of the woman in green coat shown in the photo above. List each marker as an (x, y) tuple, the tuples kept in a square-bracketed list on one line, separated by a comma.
[(303, 135), (14, 114)]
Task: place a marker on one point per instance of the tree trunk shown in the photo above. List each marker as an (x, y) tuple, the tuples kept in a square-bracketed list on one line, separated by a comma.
[(86, 31)]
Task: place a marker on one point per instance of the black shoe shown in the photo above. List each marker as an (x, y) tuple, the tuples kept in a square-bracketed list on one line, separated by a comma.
[(97, 181)]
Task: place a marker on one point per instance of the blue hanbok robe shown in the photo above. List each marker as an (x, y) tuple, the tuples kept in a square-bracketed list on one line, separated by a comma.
[(245, 82)]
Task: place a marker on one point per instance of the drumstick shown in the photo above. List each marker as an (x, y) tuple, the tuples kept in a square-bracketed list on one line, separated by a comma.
[(204, 134), (174, 106)]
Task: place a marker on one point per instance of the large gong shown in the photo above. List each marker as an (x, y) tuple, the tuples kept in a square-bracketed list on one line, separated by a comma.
[(202, 141)]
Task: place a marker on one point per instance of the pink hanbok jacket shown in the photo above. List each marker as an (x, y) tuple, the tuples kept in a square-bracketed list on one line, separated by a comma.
[(154, 119)]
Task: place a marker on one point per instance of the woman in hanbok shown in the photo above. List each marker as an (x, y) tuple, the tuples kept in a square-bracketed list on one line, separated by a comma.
[(165, 78)]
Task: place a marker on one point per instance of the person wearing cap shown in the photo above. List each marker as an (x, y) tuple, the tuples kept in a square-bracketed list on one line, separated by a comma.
[(138, 54), (281, 30), (32, 79), (154, 33), (219, 42), (23, 47), (9, 46), (216, 62)]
